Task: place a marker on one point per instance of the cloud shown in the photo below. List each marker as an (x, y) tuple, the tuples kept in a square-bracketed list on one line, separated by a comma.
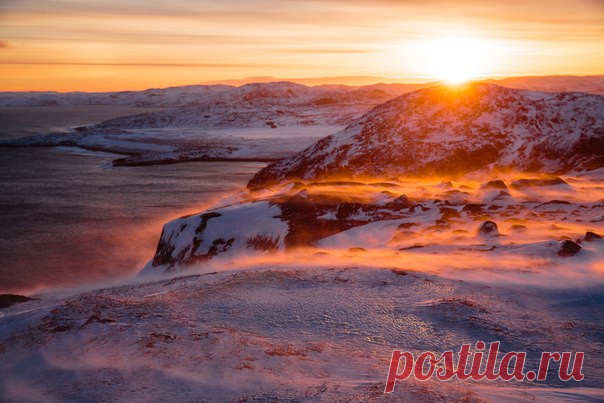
[(327, 51), (131, 64)]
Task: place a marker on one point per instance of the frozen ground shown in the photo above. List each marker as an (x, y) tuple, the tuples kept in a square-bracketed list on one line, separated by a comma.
[(320, 323), (286, 333)]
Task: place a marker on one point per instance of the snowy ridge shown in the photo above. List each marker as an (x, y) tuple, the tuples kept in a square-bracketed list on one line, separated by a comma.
[(455, 130), (153, 97), (253, 122), (251, 105)]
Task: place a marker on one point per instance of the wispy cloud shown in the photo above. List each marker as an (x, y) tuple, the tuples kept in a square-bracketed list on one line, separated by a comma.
[(129, 64), (294, 37)]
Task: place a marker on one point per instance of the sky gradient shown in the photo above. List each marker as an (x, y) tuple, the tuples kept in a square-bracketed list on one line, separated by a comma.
[(107, 45)]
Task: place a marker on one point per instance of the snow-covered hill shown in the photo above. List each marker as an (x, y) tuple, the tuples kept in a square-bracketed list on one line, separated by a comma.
[(185, 95), (587, 84), (154, 97), (264, 121), (450, 130), (264, 104), (439, 129)]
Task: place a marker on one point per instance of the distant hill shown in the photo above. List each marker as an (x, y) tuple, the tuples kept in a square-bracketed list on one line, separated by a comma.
[(448, 130)]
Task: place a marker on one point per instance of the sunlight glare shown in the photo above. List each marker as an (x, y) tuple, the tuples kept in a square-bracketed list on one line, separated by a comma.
[(454, 59)]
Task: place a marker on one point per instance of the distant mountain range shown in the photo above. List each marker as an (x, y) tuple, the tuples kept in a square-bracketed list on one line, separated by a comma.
[(185, 95), (561, 83)]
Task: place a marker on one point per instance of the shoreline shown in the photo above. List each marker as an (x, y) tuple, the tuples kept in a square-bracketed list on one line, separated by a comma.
[(123, 162)]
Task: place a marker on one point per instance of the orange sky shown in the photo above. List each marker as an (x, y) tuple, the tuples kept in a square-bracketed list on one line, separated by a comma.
[(107, 45)]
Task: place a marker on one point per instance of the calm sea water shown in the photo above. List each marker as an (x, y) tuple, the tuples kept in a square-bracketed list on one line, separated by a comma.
[(69, 218)]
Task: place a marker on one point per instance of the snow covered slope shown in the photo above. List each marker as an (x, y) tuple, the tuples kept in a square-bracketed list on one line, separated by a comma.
[(256, 121), (282, 103), (154, 97), (290, 334), (450, 130), (537, 224)]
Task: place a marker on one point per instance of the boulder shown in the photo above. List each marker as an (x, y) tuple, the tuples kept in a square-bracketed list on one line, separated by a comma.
[(528, 183), (448, 213), (518, 228), (495, 184), (592, 236), (568, 248), (488, 228)]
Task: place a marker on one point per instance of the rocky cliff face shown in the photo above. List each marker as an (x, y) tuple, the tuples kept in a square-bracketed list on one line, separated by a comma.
[(509, 219), (455, 130)]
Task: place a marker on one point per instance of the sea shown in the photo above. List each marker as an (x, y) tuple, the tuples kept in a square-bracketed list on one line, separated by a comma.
[(69, 218)]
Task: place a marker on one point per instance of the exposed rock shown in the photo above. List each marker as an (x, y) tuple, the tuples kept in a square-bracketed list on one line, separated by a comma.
[(406, 225), (518, 228), (488, 228), (592, 236), (345, 210), (421, 207), (473, 208), (97, 318), (501, 195), (568, 248), (7, 300), (554, 202), (454, 193), (438, 227), (403, 236), (400, 203), (204, 221), (495, 184), (219, 245), (528, 183), (263, 243), (448, 213)]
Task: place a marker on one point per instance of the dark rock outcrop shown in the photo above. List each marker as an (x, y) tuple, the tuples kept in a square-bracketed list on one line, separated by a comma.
[(568, 248), (495, 184), (7, 300), (448, 213), (529, 183), (473, 208), (592, 236), (488, 228)]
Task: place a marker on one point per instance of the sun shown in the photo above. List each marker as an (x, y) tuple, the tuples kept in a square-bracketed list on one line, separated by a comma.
[(453, 59)]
